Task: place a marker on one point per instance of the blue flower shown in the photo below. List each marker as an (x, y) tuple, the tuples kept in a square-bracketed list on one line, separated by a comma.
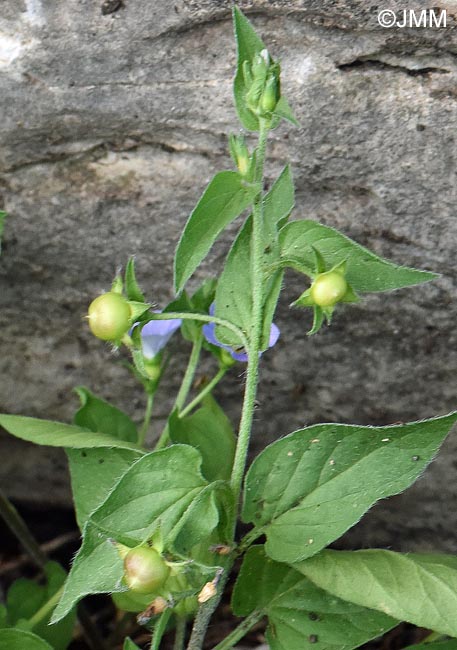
[(209, 332), (156, 334)]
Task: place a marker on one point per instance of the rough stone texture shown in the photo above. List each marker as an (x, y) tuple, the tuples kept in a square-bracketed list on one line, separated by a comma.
[(112, 125)]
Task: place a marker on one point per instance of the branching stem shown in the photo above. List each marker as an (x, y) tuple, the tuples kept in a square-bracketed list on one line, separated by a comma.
[(240, 631), (203, 393)]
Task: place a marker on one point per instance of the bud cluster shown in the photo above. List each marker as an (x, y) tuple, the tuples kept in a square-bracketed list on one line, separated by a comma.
[(262, 82)]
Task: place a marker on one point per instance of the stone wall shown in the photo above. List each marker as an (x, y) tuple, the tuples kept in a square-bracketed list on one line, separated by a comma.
[(112, 124)]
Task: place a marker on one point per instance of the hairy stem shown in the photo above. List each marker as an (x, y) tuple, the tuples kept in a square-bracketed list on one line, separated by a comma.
[(253, 348), (189, 374), (203, 393), (252, 378), (147, 419), (180, 633), (203, 318), (206, 610), (239, 632), (159, 629)]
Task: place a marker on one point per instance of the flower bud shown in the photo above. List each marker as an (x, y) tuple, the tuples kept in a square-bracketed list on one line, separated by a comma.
[(328, 289), (109, 316), (144, 570), (270, 95)]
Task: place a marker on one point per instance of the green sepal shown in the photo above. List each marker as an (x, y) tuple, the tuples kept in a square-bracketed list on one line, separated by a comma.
[(117, 286), (132, 289), (137, 309), (284, 110), (318, 319)]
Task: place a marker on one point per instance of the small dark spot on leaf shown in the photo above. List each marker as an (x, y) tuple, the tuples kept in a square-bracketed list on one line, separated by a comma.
[(313, 638), (84, 454), (101, 461), (313, 616)]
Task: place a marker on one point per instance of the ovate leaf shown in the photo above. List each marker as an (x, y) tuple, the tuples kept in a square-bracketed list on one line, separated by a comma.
[(365, 271), (58, 434), (307, 489), (301, 616), (154, 497), (209, 430), (419, 589), (94, 472), (224, 199), (100, 416), (248, 45), (11, 639)]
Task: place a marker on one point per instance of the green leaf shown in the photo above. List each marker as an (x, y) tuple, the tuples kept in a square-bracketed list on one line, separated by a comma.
[(26, 597), (234, 289), (209, 430), (94, 472), (11, 639), (132, 289), (419, 589), (129, 645), (301, 616), (58, 434), (2, 224), (307, 489), (100, 416), (248, 45), (154, 497), (226, 196), (365, 270), (97, 569), (284, 110)]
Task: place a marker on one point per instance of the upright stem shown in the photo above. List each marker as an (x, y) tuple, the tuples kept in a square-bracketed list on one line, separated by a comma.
[(189, 374), (206, 610), (257, 322), (253, 347), (46, 609), (180, 633), (203, 393), (147, 419), (159, 629), (240, 631)]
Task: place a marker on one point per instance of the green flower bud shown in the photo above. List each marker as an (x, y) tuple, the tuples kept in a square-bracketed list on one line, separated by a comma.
[(144, 570), (109, 316), (270, 95), (328, 289)]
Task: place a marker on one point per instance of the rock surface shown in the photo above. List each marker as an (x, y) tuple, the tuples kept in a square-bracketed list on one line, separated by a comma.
[(111, 126)]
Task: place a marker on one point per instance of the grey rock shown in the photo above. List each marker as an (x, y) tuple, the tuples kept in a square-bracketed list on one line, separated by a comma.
[(111, 126)]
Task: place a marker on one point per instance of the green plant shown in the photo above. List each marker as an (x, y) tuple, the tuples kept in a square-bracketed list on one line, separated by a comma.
[(159, 527)]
